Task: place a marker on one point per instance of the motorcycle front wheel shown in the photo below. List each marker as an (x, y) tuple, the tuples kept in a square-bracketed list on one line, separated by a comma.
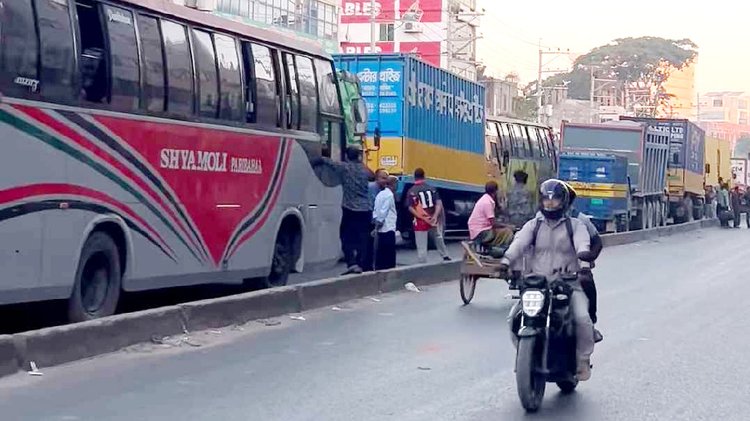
[(529, 382)]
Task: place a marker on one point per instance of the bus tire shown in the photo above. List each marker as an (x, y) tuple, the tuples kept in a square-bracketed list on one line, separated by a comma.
[(284, 256), (98, 281)]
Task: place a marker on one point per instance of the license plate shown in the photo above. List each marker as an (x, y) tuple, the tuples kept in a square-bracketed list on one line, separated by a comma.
[(597, 202)]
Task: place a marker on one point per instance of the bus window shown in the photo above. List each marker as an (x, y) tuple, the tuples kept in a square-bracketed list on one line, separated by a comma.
[(208, 80), (57, 78), (543, 147), (179, 69), (94, 57), (123, 48), (521, 140), (292, 91), (230, 77), (506, 139), (530, 132), (153, 63), (18, 55), (330, 108), (266, 86), (308, 94)]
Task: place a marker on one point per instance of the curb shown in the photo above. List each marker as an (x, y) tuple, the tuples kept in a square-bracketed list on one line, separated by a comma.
[(61, 344)]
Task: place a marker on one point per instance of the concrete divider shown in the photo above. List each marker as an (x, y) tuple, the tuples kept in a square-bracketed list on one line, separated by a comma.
[(61, 344), (239, 309)]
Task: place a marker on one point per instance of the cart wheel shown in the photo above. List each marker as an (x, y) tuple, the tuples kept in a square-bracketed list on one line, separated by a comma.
[(468, 286)]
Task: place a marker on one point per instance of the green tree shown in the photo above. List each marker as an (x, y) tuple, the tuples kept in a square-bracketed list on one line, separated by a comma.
[(637, 63)]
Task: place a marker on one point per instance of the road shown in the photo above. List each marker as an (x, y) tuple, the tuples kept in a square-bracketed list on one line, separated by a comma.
[(674, 349), (32, 316)]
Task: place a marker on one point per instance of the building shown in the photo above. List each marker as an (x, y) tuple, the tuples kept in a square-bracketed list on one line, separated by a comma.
[(728, 107), (314, 19), (440, 32), (681, 87), (499, 95)]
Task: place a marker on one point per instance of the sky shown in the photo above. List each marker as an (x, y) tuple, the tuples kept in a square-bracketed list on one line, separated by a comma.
[(511, 31)]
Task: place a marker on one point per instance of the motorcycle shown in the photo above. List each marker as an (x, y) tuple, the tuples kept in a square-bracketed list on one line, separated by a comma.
[(545, 330)]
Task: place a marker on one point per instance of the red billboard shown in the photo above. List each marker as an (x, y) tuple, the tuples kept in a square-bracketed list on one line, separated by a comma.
[(422, 10), (358, 11), (425, 51)]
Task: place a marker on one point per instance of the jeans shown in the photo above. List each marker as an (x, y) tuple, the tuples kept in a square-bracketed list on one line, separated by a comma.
[(421, 237), (385, 255), (355, 231), (579, 306)]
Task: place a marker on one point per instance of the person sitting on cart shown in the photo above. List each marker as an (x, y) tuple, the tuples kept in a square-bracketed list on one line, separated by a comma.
[(486, 227)]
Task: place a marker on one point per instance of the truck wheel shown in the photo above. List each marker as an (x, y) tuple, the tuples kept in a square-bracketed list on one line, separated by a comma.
[(98, 280)]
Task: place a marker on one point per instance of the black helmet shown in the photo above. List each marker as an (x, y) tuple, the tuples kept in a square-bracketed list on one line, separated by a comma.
[(554, 198)]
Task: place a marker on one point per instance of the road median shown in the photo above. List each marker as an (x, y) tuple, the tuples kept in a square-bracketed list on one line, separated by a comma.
[(61, 344)]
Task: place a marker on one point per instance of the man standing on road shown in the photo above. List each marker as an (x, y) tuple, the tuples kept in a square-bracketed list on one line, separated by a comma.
[(356, 206), (384, 218), (736, 204), (520, 206), (722, 208), (427, 209), (373, 189)]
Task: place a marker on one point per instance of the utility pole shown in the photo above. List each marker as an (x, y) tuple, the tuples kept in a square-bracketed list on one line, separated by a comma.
[(460, 40), (591, 97), (540, 74), (373, 27), (698, 106)]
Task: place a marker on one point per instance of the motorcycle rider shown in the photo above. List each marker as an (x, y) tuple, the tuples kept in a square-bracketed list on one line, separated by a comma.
[(552, 243)]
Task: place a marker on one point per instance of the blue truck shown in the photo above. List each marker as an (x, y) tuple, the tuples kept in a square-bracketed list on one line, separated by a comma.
[(423, 117), (601, 182), (646, 149)]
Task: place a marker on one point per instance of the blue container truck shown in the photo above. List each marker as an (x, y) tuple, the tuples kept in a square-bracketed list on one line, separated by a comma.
[(647, 151), (685, 167), (601, 183), (424, 117)]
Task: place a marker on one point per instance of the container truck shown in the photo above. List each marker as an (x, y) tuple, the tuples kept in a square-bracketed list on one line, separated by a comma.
[(685, 168), (424, 117), (647, 151), (601, 184), (718, 161)]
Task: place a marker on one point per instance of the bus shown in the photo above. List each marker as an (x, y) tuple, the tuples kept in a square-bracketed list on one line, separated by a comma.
[(150, 145), (514, 145)]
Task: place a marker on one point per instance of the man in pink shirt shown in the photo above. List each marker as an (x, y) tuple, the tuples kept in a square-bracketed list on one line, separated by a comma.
[(483, 227)]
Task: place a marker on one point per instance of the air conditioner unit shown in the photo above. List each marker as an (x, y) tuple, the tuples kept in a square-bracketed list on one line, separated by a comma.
[(412, 27)]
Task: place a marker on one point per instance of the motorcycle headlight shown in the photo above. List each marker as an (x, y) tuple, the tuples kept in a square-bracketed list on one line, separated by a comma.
[(532, 302)]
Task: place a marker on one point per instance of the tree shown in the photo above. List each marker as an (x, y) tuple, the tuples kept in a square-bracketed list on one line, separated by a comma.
[(642, 64)]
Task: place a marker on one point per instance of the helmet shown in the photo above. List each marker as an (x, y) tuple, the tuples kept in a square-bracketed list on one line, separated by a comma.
[(572, 193), (554, 198)]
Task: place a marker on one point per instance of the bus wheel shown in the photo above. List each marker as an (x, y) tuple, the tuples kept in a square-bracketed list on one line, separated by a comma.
[(98, 280), (282, 261)]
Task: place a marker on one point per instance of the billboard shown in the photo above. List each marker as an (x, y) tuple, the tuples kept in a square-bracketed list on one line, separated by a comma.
[(427, 51), (359, 11), (739, 171)]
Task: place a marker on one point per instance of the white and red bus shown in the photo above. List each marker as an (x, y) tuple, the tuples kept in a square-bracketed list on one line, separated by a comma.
[(148, 145)]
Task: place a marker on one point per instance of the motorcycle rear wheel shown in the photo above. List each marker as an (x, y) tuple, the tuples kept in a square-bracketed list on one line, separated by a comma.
[(529, 383)]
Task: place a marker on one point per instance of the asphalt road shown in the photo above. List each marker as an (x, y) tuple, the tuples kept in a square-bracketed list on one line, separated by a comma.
[(31, 316), (672, 311)]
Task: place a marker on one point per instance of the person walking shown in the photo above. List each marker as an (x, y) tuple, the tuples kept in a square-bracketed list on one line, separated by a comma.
[(427, 209), (710, 208), (736, 205), (384, 218), (356, 206), (520, 205), (722, 208)]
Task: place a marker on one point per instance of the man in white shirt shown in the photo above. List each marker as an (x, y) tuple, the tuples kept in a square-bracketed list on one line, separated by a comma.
[(384, 217)]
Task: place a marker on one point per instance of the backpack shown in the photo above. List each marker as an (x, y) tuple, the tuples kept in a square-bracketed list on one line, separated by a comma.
[(596, 245)]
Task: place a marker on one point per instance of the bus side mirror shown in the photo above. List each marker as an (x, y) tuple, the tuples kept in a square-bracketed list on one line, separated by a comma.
[(359, 110), (376, 137)]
